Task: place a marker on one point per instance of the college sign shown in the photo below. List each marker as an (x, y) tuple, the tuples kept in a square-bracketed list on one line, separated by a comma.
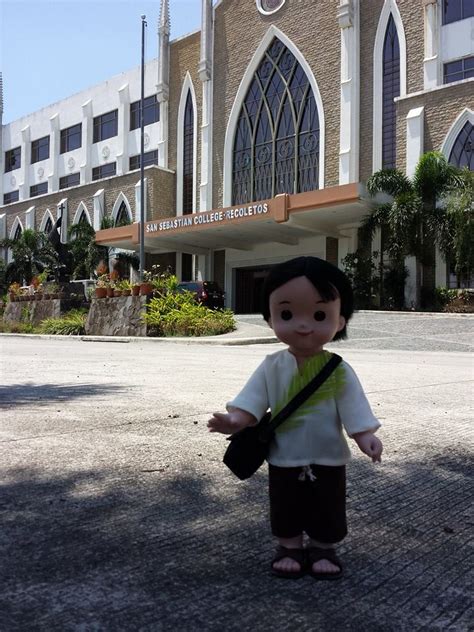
[(224, 215)]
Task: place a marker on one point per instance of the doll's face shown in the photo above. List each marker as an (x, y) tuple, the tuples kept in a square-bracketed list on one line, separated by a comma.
[(302, 319)]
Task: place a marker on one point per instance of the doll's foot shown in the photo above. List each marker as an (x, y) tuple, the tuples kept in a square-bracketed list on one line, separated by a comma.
[(324, 563), (289, 563)]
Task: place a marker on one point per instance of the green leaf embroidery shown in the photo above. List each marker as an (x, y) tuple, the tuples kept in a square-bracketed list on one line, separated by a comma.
[(328, 390)]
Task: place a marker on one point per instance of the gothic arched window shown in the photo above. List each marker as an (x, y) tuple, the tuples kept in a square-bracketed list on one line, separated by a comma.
[(48, 227), (390, 90), (83, 219), (462, 153), (123, 217), (18, 232), (188, 156), (276, 143)]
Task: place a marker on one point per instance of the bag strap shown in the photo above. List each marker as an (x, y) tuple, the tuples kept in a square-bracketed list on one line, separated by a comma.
[(302, 396)]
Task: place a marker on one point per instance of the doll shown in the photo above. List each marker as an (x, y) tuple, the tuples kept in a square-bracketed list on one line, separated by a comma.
[(308, 303)]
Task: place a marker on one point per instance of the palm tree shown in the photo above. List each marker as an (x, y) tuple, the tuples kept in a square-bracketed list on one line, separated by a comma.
[(415, 219), (87, 254), (458, 238), (31, 253)]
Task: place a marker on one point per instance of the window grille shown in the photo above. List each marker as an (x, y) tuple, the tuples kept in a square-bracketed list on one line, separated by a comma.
[(276, 143)]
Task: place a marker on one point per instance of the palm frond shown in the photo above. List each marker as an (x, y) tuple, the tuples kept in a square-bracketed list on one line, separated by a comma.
[(376, 219), (390, 181), (434, 176)]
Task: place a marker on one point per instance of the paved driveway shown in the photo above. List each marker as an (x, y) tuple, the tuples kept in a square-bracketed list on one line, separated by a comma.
[(117, 513)]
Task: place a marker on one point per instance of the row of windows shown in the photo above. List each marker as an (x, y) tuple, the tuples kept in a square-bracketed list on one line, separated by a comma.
[(74, 179), (104, 126), (454, 10), (458, 70)]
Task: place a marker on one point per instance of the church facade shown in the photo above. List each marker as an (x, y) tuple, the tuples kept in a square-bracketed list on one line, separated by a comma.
[(261, 130)]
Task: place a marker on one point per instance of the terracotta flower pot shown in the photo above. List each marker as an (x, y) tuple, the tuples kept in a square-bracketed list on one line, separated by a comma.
[(126, 292), (146, 288), (110, 292), (135, 290), (100, 292), (117, 292)]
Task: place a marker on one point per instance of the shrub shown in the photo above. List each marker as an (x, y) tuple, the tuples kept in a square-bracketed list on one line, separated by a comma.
[(177, 314), (71, 324), (16, 328)]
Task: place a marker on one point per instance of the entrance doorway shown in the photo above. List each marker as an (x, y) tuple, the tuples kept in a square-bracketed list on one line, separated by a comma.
[(248, 289)]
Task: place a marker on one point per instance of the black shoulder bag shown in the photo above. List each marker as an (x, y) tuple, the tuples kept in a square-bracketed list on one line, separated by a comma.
[(249, 447)]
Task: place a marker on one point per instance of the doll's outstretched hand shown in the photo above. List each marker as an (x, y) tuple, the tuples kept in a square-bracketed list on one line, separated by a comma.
[(231, 422), (369, 444)]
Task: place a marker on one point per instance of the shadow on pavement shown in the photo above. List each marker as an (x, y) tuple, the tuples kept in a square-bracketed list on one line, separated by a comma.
[(15, 395), (190, 550)]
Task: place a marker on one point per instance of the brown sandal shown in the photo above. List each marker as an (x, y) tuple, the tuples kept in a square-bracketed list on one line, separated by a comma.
[(298, 555), (315, 554)]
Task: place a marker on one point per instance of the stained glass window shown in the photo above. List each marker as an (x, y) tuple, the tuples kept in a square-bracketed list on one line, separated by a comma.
[(462, 153), (390, 90), (188, 156), (276, 143)]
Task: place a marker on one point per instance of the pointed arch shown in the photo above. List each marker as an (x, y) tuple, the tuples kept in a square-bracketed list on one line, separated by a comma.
[(82, 214), (16, 229), (121, 209), (389, 11), (187, 98), (46, 221), (245, 85), (463, 124)]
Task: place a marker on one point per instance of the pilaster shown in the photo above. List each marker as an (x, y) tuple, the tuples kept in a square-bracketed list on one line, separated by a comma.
[(348, 19), (53, 179), (205, 74), (30, 218), (432, 41), (98, 204), (87, 137), (24, 184), (124, 127)]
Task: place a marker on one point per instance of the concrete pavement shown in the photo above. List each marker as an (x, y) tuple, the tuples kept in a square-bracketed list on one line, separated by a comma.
[(117, 513)]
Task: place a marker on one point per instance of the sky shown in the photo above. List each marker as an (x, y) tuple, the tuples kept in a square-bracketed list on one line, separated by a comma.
[(51, 49)]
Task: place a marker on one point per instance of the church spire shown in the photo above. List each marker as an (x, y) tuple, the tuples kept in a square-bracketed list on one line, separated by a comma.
[(163, 52)]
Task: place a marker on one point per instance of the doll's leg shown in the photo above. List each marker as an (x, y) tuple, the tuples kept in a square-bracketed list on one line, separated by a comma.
[(285, 518), (326, 518)]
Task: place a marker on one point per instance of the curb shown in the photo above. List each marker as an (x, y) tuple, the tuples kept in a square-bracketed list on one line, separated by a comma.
[(127, 339)]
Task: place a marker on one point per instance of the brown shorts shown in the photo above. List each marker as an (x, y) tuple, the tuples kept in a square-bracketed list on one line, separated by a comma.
[(317, 508)]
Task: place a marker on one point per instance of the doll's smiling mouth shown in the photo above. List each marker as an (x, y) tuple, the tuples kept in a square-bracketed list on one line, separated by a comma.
[(304, 333)]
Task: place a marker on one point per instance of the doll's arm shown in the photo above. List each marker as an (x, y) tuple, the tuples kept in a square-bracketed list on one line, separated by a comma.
[(233, 421), (369, 444)]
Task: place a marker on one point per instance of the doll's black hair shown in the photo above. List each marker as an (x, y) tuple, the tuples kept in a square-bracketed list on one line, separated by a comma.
[(330, 282)]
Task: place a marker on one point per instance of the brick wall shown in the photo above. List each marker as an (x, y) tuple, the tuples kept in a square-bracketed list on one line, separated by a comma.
[(184, 58), (413, 23), (239, 28), (160, 200), (442, 107)]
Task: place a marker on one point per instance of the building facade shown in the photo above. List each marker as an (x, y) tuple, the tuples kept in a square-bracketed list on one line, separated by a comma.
[(261, 130)]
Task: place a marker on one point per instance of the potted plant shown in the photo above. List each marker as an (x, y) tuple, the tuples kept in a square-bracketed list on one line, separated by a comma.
[(126, 287), (101, 285), (135, 289), (13, 291)]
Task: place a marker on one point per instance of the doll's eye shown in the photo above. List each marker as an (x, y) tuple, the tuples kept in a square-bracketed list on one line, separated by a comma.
[(319, 315), (286, 315)]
